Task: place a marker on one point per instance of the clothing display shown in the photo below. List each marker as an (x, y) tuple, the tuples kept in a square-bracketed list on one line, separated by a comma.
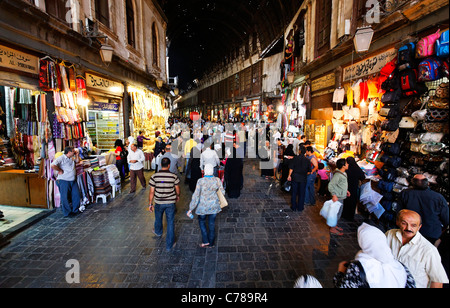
[(396, 130)]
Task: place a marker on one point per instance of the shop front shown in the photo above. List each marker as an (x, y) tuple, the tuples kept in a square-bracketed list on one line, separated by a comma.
[(392, 116), (21, 122), (43, 99), (105, 111), (149, 115)]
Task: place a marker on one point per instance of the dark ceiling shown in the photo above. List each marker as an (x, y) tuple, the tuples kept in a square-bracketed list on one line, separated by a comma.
[(203, 33)]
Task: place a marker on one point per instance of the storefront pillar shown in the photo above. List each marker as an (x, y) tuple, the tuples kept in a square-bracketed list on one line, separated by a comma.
[(126, 111)]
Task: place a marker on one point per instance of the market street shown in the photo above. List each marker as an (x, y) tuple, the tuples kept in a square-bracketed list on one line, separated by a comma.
[(260, 243)]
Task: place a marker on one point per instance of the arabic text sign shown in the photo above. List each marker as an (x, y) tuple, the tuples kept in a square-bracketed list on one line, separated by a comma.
[(104, 84), (371, 65), (17, 60)]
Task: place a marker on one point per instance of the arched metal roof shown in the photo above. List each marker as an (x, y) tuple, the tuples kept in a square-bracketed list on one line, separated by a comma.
[(202, 33)]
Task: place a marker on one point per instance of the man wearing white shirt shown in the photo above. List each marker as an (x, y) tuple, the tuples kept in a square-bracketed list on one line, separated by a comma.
[(209, 156), (416, 252), (136, 160)]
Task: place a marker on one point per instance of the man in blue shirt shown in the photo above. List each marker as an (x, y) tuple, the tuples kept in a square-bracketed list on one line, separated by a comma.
[(66, 181)]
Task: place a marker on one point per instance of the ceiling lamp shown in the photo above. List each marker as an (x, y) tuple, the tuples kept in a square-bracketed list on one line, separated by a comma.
[(106, 52), (363, 38)]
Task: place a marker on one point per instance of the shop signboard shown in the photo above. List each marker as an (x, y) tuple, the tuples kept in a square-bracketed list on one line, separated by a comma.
[(102, 106), (19, 61), (369, 66), (103, 84), (323, 82)]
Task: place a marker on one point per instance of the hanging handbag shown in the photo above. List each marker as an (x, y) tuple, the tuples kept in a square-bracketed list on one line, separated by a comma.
[(222, 200), (407, 122), (431, 137), (433, 147), (438, 102), (436, 127), (391, 148), (389, 112), (442, 91), (419, 115), (391, 160), (391, 96), (391, 124), (437, 115), (385, 186), (388, 173)]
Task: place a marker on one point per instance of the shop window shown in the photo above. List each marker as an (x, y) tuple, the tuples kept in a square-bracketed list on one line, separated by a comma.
[(155, 45), (323, 26), (102, 11), (57, 8), (130, 23)]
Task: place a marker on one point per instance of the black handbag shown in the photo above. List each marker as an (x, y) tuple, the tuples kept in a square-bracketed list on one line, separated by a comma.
[(391, 96), (388, 173), (391, 125), (287, 186), (391, 148), (392, 161)]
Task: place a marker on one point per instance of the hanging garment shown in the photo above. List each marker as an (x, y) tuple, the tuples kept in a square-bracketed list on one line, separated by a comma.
[(350, 96), (356, 92), (364, 91), (338, 96)]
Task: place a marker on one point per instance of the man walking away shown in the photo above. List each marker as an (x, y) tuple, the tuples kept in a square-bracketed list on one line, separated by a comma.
[(165, 191)]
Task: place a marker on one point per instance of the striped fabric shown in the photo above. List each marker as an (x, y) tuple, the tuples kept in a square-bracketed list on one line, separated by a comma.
[(164, 183)]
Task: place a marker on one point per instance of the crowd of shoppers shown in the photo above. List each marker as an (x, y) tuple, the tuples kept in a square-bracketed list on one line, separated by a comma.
[(211, 158)]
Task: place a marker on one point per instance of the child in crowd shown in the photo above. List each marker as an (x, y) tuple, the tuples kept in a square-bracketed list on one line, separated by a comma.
[(324, 180)]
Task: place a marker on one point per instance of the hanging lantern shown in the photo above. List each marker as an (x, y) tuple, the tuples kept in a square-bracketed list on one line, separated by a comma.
[(290, 77), (363, 38)]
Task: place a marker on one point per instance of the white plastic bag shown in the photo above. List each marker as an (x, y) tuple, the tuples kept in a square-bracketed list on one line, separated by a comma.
[(368, 195), (330, 211)]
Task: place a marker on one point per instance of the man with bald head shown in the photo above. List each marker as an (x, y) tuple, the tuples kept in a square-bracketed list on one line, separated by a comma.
[(430, 205), (415, 252)]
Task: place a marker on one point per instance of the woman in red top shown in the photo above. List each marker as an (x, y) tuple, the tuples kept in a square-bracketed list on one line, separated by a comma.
[(120, 158)]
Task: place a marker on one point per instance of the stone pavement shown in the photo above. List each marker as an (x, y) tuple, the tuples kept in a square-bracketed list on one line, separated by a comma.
[(260, 243)]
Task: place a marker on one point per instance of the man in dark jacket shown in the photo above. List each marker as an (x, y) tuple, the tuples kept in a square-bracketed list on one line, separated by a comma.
[(430, 205), (299, 168)]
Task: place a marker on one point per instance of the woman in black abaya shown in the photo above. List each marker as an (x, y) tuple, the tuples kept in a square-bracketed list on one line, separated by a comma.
[(194, 165), (233, 175), (354, 176)]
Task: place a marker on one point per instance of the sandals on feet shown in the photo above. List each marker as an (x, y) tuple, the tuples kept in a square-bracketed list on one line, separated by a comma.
[(336, 232), (204, 245)]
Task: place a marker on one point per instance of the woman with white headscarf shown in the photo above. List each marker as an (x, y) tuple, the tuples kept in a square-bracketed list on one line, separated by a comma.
[(207, 204), (374, 265)]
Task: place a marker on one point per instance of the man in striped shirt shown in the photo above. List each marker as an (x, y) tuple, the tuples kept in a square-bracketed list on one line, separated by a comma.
[(165, 191)]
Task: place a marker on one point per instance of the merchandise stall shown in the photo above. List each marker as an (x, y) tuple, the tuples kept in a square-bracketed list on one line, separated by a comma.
[(149, 116), (394, 119), (105, 110), (45, 111), (23, 130)]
